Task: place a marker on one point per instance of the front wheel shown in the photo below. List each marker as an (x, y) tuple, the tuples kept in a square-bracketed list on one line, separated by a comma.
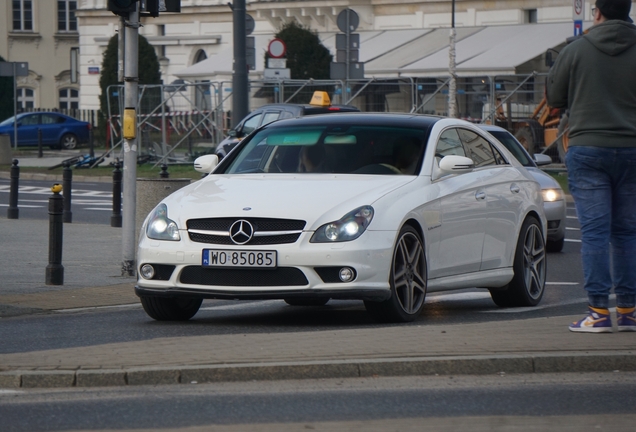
[(407, 280), (68, 142), (530, 268), (171, 308)]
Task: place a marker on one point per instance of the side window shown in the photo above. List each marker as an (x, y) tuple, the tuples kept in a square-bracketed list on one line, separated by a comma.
[(270, 117), (477, 148), (498, 156), (30, 120), (287, 114), (51, 119), (251, 124), (449, 144)]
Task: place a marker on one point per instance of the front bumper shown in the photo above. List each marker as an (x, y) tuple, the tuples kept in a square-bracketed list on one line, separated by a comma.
[(555, 215), (300, 270)]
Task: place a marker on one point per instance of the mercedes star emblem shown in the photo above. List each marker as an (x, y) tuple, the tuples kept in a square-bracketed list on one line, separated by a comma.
[(241, 231)]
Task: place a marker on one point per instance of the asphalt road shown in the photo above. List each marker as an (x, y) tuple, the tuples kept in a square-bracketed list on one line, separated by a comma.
[(90, 202), (549, 402)]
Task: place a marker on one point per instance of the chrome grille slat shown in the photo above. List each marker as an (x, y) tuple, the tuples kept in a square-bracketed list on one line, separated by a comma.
[(266, 231)]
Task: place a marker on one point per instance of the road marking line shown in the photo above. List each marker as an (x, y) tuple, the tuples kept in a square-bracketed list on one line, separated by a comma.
[(97, 307), (571, 217), (573, 229), (3, 391), (23, 206), (457, 297), (573, 241), (535, 308), (97, 208), (562, 283)]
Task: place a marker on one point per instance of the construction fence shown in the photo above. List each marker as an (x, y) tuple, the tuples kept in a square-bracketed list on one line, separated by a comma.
[(197, 116)]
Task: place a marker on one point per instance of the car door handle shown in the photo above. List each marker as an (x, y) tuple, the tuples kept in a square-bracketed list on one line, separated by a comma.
[(480, 195), (514, 188)]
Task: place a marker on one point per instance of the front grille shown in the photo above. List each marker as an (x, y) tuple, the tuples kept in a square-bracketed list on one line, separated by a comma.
[(281, 276), (278, 227)]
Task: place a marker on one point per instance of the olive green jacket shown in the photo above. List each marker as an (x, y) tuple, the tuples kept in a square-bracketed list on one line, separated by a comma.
[(595, 78)]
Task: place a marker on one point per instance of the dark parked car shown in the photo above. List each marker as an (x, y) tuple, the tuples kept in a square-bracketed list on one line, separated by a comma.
[(320, 104), (58, 130)]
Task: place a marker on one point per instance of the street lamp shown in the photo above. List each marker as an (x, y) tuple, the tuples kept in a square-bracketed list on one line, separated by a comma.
[(452, 86)]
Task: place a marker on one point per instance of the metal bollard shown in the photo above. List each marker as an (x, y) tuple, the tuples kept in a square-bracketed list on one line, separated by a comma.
[(40, 143), (67, 180), (115, 218), (13, 212), (164, 171), (55, 270)]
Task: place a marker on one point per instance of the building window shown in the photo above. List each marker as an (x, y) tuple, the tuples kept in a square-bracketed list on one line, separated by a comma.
[(22, 15), (200, 56), (69, 98), (531, 16), (66, 20), (26, 98)]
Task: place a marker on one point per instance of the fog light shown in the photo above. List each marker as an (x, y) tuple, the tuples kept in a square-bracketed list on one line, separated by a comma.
[(147, 271), (346, 274)]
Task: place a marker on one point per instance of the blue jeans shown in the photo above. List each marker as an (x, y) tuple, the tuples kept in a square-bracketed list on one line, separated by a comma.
[(603, 184)]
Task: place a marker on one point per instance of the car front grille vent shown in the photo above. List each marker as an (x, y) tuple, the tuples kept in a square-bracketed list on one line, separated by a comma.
[(265, 231)]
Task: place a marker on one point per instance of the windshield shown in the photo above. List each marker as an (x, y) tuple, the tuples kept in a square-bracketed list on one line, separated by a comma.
[(7, 122), (513, 147), (357, 149)]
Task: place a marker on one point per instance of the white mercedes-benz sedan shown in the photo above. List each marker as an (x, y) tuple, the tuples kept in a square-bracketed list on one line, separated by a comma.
[(383, 208)]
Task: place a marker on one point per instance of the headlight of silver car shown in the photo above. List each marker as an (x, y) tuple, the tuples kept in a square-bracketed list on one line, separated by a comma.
[(349, 227), (551, 195), (160, 227)]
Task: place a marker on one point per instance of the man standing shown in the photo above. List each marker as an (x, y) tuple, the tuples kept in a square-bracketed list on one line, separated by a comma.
[(595, 78)]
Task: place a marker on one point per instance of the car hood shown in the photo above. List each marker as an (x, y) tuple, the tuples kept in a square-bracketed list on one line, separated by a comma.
[(317, 199), (546, 181)]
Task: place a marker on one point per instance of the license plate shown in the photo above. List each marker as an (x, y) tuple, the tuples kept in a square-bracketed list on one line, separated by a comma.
[(239, 259)]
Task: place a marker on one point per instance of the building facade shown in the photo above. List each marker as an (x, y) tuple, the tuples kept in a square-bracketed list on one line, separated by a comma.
[(41, 33)]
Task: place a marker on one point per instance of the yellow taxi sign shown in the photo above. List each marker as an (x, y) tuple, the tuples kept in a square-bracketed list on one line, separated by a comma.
[(320, 98)]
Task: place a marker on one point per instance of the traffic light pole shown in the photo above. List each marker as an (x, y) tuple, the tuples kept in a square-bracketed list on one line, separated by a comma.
[(239, 76), (131, 91)]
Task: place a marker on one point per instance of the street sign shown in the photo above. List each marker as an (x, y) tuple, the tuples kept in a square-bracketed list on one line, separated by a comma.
[(354, 41), (21, 69), (341, 56), (276, 48), (275, 63), (277, 73), (339, 70), (352, 19), (578, 12)]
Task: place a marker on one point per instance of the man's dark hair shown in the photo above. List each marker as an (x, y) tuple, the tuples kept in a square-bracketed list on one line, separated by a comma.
[(615, 9)]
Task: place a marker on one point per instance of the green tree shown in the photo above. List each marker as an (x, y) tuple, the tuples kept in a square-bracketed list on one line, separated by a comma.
[(149, 73), (306, 58), (6, 96)]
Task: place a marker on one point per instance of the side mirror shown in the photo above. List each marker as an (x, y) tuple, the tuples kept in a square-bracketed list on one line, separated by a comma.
[(542, 159), (232, 133), (205, 164), (453, 164)]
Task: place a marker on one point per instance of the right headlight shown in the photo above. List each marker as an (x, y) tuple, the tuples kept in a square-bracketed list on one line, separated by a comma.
[(160, 227), (347, 228), (551, 194)]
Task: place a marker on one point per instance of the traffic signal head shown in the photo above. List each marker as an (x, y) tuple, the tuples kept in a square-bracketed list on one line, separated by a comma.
[(122, 7)]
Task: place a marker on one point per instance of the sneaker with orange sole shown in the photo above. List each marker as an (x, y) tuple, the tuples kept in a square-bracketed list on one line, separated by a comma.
[(597, 321), (626, 319)]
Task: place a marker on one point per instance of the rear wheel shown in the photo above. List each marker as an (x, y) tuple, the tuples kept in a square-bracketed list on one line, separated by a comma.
[(530, 268), (314, 301), (68, 141), (171, 308), (407, 280)]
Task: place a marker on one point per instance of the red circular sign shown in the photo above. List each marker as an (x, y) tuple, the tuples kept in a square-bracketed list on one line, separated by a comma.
[(276, 48)]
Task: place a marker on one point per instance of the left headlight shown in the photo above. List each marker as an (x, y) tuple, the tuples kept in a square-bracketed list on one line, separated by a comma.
[(551, 195), (159, 227), (349, 227)]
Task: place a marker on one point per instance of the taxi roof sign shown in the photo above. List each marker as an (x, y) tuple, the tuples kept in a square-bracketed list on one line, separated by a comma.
[(320, 98)]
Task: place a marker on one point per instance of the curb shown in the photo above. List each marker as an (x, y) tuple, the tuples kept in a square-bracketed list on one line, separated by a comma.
[(454, 365), (58, 178)]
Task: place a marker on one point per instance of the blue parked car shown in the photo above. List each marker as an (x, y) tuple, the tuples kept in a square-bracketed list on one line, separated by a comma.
[(58, 130)]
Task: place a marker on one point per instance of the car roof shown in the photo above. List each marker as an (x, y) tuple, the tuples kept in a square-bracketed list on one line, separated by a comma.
[(358, 118)]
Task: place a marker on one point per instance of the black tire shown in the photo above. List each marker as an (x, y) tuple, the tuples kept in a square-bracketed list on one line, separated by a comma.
[(171, 308), (530, 267), (408, 279), (68, 141), (554, 245), (562, 147), (314, 301), (525, 137)]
